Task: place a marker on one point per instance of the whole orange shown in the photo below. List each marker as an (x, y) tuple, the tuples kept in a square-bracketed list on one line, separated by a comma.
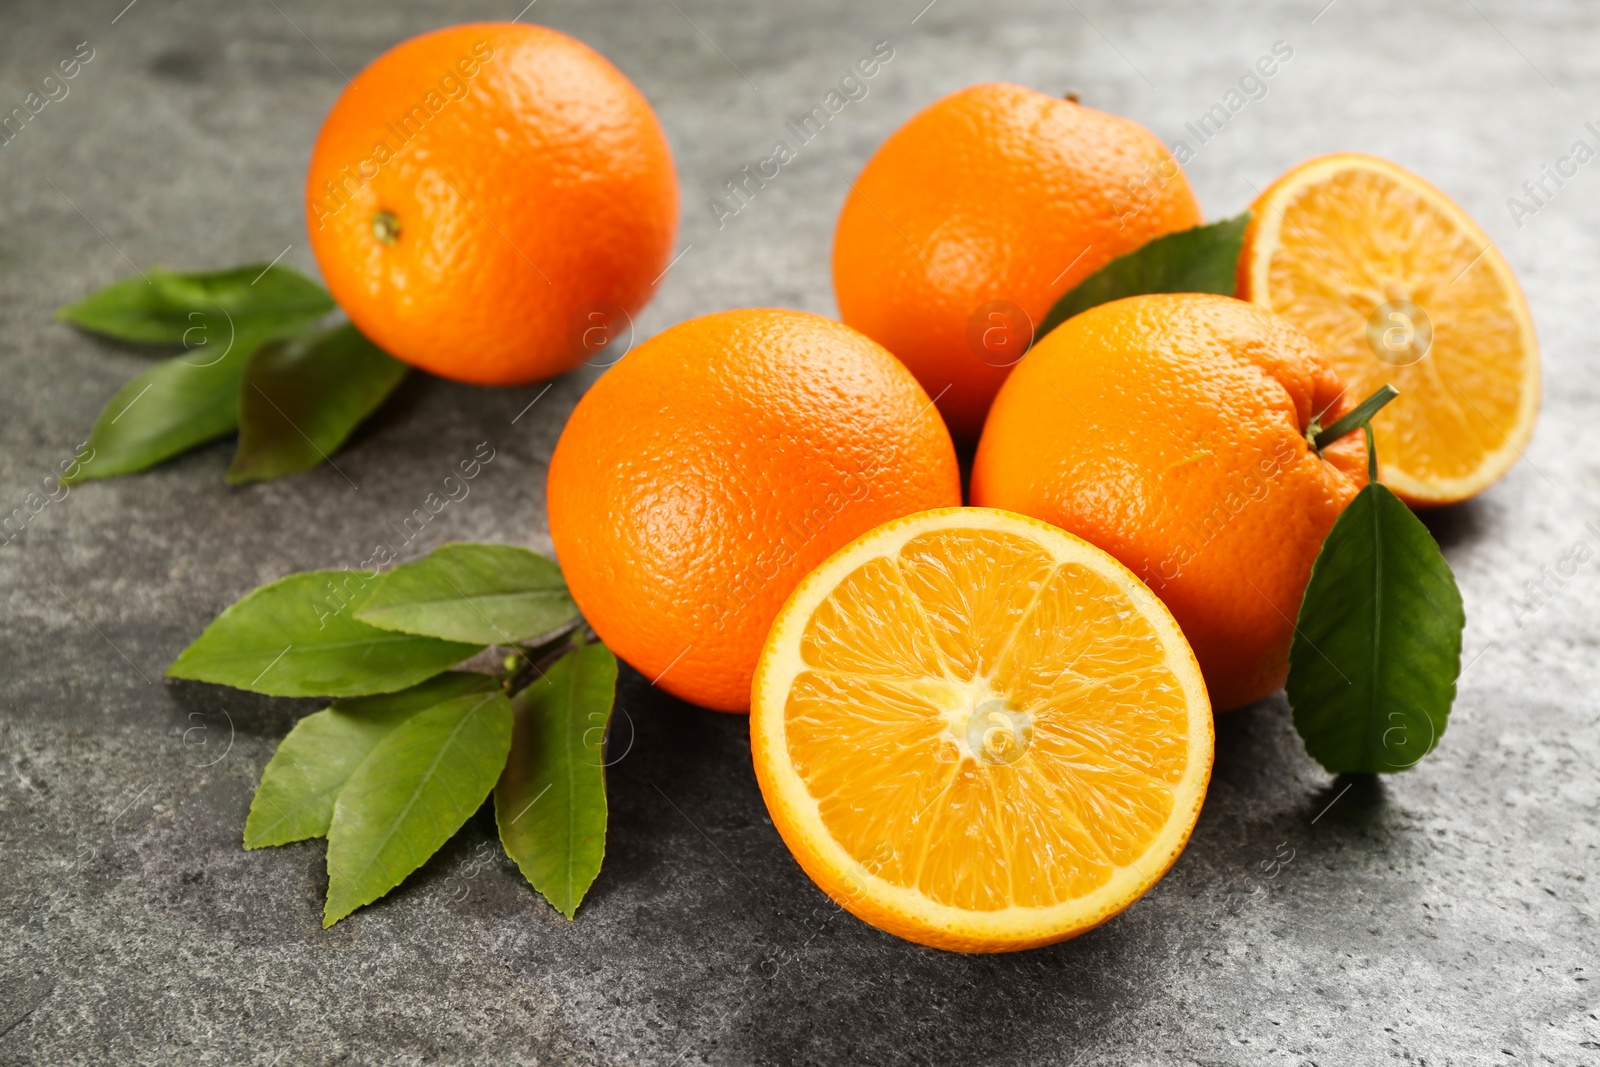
[(704, 475), (480, 196), (1171, 432), (977, 215)]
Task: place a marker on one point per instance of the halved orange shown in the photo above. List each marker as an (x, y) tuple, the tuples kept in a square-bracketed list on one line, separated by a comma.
[(979, 732), (1400, 286)]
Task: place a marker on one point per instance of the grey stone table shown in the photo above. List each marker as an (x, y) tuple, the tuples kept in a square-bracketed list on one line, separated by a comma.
[(1446, 915)]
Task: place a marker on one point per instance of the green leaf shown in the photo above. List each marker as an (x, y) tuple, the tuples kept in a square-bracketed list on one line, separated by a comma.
[(485, 594), (168, 409), (299, 399), (298, 637), (208, 309), (295, 799), (550, 803), (194, 398), (1204, 259), (1377, 649), (411, 794)]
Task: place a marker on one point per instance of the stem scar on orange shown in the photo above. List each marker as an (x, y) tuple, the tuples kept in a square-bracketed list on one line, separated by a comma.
[(478, 189), (702, 476), (977, 215)]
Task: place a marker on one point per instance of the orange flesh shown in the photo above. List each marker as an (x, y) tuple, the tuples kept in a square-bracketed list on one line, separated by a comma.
[(1354, 239), (984, 725)]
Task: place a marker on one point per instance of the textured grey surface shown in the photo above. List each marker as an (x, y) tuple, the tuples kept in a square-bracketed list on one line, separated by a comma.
[(1447, 915)]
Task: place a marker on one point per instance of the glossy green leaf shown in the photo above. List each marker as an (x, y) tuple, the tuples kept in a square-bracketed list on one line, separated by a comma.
[(486, 594), (202, 312), (300, 783), (550, 803), (299, 637), (1204, 259), (166, 410), (411, 794), (300, 399), (1377, 647), (183, 402)]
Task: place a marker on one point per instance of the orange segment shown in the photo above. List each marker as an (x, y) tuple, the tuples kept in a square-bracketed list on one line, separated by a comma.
[(1402, 287), (979, 732)]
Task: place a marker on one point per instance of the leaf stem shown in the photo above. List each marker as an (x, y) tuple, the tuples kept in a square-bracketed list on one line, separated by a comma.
[(538, 659), (1358, 416)]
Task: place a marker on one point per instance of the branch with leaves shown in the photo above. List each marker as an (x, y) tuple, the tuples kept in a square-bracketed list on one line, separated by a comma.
[(392, 769)]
